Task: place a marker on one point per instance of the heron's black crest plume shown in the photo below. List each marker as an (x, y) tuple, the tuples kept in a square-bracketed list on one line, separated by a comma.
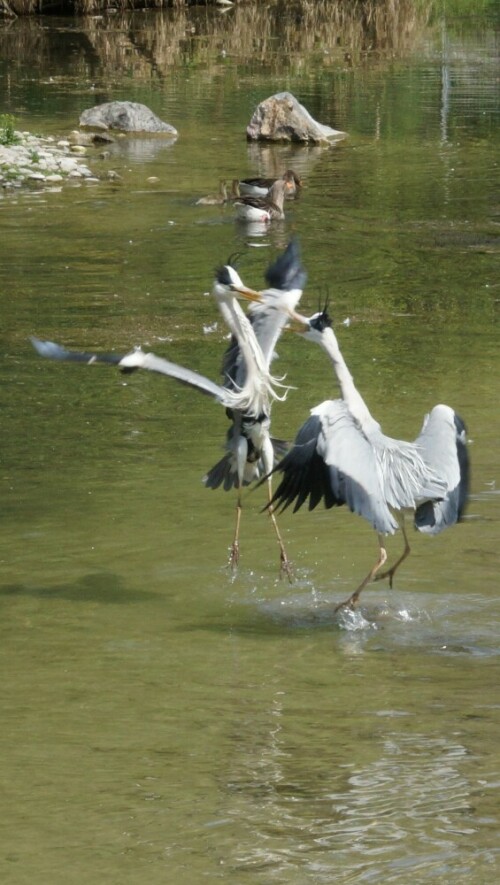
[(322, 319), (234, 259), (222, 274)]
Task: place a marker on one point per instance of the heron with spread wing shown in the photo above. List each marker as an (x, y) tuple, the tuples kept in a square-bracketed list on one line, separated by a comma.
[(251, 451), (247, 393), (341, 456)]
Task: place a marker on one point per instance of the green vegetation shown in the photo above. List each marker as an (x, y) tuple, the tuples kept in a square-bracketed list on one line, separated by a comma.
[(8, 134)]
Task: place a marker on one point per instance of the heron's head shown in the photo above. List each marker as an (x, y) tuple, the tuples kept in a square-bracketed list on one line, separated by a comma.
[(226, 275), (312, 327), (228, 282)]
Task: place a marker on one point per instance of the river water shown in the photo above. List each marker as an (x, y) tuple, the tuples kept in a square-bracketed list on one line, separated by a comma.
[(162, 720)]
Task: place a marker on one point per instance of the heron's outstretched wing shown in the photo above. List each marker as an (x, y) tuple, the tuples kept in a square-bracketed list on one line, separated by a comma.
[(136, 359), (305, 474), (286, 278), (332, 460), (335, 460), (53, 351), (443, 444), (286, 272)]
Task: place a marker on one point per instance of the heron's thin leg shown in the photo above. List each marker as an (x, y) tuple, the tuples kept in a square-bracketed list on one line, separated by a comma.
[(390, 572), (285, 565), (234, 552), (382, 558)]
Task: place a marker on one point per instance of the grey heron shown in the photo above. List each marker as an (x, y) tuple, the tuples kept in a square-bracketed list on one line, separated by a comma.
[(341, 456), (251, 451), (248, 390)]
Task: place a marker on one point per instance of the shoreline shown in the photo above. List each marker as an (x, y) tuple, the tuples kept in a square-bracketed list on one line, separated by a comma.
[(40, 160)]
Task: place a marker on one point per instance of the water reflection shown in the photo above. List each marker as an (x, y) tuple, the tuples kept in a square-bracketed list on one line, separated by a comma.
[(270, 160), (139, 150), (311, 807), (281, 37)]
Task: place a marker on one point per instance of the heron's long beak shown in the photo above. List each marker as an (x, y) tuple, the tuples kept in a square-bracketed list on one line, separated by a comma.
[(297, 323), (248, 294)]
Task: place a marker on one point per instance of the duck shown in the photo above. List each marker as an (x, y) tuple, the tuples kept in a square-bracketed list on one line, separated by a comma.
[(268, 208), (223, 196), (259, 186), (215, 199)]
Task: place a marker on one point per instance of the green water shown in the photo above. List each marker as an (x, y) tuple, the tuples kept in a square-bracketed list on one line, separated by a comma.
[(162, 721)]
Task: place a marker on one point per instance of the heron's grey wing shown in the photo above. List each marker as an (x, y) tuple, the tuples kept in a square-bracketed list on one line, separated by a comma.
[(286, 278), (137, 359), (305, 474), (286, 272), (355, 473), (129, 362), (364, 469), (51, 350), (443, 445)]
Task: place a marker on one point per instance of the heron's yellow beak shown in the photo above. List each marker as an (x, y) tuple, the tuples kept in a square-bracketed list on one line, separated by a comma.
[(297, 323), (248, 294)]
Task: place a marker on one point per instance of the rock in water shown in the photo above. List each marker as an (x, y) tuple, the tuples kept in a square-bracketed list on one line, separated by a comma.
[(129, 116), (282, 118)]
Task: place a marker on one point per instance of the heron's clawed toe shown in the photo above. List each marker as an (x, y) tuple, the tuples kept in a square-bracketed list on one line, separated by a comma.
[(349, 604), (286, 567), (234, 556)]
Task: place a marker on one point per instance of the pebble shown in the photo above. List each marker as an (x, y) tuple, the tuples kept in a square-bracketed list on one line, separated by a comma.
[(41, 160)]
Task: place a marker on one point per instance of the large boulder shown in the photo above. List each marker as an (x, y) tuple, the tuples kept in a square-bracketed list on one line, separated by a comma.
[(129, 116), (282, 118)]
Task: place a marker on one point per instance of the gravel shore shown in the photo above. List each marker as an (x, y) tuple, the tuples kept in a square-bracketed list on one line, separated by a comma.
[(37, 161)]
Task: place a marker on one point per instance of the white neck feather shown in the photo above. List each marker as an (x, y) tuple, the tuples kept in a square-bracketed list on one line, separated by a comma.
[(350, 394)]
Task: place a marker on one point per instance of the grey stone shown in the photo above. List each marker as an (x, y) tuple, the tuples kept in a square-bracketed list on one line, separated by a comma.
[(129, 116), (282, 118)]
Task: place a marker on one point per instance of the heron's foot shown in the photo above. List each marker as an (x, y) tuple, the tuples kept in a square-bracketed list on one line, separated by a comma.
[(387, 574), (234, 556), (286, 567), (349, 604)]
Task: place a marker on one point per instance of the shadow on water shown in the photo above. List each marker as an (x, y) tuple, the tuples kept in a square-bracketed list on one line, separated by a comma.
[(103, 588)]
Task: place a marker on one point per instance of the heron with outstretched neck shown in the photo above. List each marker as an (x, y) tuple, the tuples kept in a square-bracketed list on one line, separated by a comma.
[(341, 456), (251, 450), (248, 389)]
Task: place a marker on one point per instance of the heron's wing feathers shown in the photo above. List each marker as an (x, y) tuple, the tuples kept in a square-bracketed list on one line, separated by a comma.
[(305, 474), (443, 444), (286, 278), (53, 351), (335, 460), (225, 472), (286, 272), (355, 473), (136, 359)]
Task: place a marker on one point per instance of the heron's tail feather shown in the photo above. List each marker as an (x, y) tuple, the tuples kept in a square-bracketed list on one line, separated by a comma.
[(222, 473), (225, 473)]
